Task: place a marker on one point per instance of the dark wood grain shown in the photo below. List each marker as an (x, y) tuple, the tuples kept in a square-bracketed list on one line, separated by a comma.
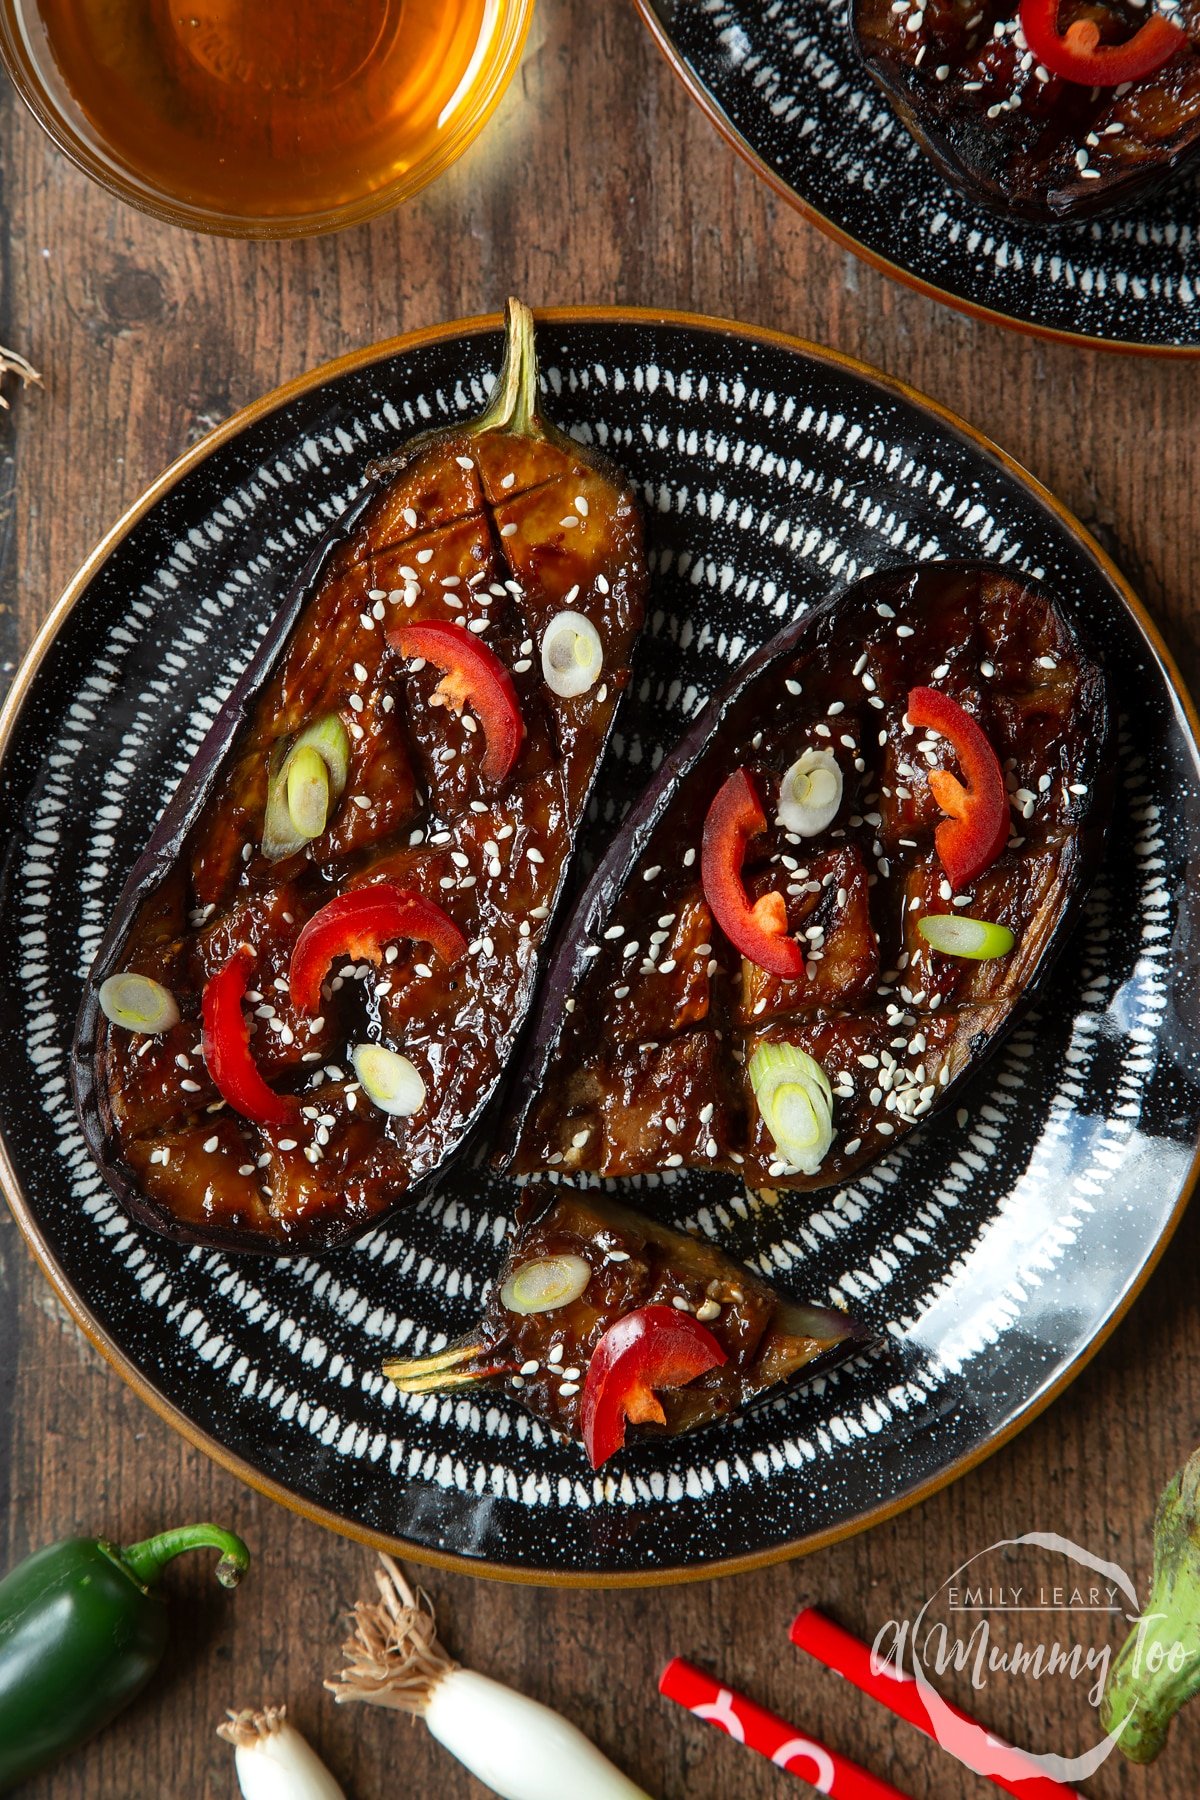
[(597, 181)]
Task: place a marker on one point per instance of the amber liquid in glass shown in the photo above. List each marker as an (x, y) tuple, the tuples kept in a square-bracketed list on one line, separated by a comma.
[(269, 108)]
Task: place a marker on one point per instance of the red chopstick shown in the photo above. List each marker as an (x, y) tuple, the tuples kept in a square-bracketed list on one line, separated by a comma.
[(957, 1732), (748, 1723)]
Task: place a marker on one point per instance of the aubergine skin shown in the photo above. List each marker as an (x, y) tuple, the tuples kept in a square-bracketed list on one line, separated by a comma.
[(542, 1358), (650, 1016), (1010, 137), (499, 525)]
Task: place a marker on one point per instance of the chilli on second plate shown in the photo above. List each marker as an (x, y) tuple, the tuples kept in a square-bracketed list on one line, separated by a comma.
[(1047, 110), (318, 969)]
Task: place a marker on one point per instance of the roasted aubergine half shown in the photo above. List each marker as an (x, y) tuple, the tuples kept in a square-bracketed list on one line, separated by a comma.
[(1041, 111), (602, 1320), (318, 969), (834, 896)]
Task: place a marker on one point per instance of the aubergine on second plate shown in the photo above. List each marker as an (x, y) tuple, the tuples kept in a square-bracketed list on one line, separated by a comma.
[(1044, 110), (602, 1319), (811, 929), (317, 970)]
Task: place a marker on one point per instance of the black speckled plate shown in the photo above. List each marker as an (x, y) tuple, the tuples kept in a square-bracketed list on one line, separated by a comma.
[(782, 82), (991, 1253)]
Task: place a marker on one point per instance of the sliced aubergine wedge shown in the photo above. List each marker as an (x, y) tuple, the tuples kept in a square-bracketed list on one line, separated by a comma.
[(1012, 134), (784, 997), (609, 1325), (317, 971)]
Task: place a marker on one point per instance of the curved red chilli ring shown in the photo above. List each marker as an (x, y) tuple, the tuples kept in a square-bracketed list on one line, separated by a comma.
[(360, 925), (471, 675), (226, 1043), (976, 828), (1078, 55), (760, 930), (654, 1347)]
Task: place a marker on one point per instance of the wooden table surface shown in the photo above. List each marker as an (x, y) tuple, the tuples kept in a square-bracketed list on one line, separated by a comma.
[(147, 337)]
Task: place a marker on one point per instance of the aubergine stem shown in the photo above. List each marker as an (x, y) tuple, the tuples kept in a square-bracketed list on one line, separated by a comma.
[(147, 1560), (1158, 1668), (513, 405)]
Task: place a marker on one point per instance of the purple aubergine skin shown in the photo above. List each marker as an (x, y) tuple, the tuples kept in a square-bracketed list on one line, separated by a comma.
[(569, 965), (517, 391), (159, 858)]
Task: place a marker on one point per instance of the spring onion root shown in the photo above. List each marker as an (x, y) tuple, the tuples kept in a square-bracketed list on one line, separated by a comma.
[(273, 1761), (12, 364), (516, 1747)]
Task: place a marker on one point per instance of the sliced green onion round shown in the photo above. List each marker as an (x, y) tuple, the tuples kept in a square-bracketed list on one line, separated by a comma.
[(138, 1004), (810, 793), (283, 832), (307, 791), (954, 934), (389, 1080), (572, 655), (331, 741), (796, 1102), (540, 1286)]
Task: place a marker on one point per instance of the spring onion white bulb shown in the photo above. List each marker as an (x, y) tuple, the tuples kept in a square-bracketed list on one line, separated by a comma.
[(516, 1747), (572, 655), (954, 934), (796, 1102), (810, 793), (389, 1080), (138, 1003), (540, 1286), (273, 1761)]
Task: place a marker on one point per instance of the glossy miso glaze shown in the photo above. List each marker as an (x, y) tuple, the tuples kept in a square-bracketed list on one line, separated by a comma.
[(542, 1358), (1013, 136), (895, 1025), (501, 532)]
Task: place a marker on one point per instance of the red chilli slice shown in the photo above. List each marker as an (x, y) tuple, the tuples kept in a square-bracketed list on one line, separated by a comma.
[(360, 925), (472, 675), (226, 1042), (655, 1347), (1078, 55), (976, 828), (758, 930)]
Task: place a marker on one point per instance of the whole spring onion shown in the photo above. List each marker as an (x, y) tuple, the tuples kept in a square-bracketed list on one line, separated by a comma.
[(389, 1080), (572, 655), (1158, 1667), (273, 1761), (293, 814), (796, 1103), (516, 1747), (954, 934), (138, 1004), (810, 793), (540, 1286)]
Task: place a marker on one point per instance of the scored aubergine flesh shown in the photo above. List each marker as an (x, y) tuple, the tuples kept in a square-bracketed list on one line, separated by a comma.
[(632, 1261), (651, 1017), (500, 527), (1012, 136)]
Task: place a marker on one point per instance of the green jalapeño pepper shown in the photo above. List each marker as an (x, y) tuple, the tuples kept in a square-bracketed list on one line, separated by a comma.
[(82, 1630)]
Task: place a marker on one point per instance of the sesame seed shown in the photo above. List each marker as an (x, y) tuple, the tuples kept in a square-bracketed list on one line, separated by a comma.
[(507, 531)]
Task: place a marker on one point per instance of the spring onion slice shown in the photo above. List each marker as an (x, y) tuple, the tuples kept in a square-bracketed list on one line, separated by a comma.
[(515, 1746), (955, 934), (796, 1103), (540, 1286), (308, 792), (329, 739), (138, 1004), (572, 655), (810, 793), (273, 1761), (389, 1080)]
